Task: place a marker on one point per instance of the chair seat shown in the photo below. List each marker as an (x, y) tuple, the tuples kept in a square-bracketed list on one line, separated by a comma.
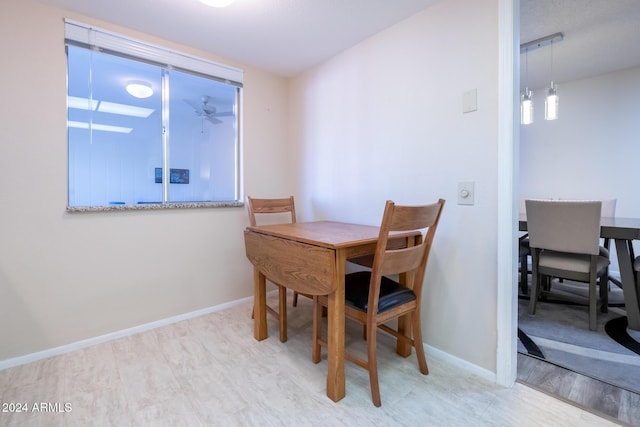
[(392, 293), (570, 262)]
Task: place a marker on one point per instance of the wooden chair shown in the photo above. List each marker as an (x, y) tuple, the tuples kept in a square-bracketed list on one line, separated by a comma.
[(565, 243), (261, 207), (372, 298)]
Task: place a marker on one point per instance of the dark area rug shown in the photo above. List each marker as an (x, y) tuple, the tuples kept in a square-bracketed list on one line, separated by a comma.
[(559, 333)]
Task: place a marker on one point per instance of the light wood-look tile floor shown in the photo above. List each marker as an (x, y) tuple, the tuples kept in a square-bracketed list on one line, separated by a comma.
[(209, 371)]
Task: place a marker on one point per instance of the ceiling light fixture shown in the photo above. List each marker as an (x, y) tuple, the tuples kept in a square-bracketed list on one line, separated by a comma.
[(97, 126), (123, 109), (526, 99), (551, 101), (139, 89), (526, 107), (82, 103), (108, 107), (217, 3)]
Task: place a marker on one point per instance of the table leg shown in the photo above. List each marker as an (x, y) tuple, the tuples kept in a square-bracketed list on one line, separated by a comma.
[(628, 283), (259, 306), (282, 312), (335, 334)]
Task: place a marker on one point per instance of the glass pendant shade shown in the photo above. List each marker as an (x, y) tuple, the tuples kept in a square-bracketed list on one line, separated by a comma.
[(526, 107), (551, 104)]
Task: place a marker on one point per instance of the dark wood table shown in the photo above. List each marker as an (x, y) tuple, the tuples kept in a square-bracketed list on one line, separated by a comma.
[(310, 258), (623, 231)]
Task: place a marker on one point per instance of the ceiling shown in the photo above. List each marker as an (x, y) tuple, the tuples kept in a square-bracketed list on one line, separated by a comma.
[(600, 36), (289, 36), (281, 36)]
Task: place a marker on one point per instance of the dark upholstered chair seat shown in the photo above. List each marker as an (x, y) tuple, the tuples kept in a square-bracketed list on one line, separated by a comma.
[(392, 293)]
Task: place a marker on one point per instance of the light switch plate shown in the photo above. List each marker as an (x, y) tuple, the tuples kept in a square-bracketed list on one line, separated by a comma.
[(470, 101), (466, 193)]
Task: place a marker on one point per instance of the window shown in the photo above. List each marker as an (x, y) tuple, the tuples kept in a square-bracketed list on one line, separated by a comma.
[(177, 143)]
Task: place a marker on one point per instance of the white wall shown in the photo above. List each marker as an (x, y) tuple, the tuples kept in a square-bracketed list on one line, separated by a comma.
[(384, 120), (592, 150), (67, 277)]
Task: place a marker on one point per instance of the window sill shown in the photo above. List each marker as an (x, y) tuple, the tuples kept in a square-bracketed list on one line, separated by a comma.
[(153, 206)]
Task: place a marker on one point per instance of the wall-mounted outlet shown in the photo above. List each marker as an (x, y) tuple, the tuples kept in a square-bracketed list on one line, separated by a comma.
[(466, 193)]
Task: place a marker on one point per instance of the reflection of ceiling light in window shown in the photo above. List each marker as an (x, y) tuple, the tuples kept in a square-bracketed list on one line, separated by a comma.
[(125, 110), (81, 103), (97, 126), (139, 89), (109, 107), (217, 3)]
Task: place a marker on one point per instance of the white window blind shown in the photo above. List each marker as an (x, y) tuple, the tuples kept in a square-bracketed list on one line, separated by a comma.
[(84, 35)]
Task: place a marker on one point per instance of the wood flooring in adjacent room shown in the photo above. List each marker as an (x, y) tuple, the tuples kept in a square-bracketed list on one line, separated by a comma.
[(210, 371), (581, 390)]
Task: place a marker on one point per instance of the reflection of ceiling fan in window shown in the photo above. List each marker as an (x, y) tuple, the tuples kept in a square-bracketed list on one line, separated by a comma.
[(207, 111)]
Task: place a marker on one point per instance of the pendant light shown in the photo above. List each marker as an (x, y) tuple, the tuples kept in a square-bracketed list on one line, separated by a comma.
[(526, 107), (551, 101), (526, 98)]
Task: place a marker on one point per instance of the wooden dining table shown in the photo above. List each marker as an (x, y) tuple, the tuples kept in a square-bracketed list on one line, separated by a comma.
[(310, 258), (623, 231)]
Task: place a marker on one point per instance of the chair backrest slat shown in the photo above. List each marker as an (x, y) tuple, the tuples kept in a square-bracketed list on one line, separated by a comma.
[(270, 206), (407, 259), (413, 259)]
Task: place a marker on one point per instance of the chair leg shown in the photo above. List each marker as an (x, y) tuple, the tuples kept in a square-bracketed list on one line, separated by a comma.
[(535, 288), (524, 267), (317, 330), (592, 304), (282, 312), (372, 365), (295, 299), (418, 344), (604, 292)]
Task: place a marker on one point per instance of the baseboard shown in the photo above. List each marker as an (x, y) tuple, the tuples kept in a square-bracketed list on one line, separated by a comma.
[(56, 351), (460, 363)]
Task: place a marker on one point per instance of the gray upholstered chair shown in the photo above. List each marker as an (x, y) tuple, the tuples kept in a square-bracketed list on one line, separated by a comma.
[(523, 254), (609, 211), (564, 237), (636, 270), (524, 251)]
